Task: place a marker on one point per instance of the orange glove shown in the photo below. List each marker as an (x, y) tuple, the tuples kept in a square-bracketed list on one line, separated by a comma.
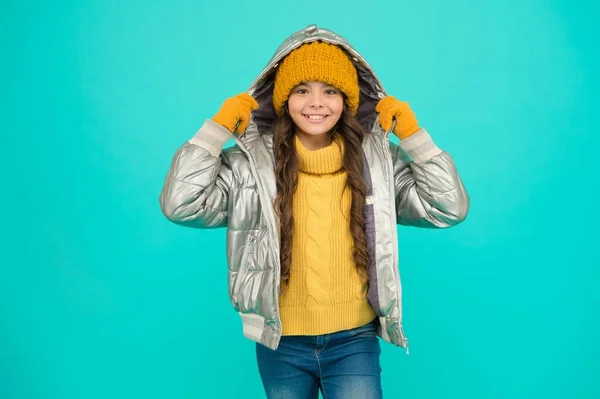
[(235, 112), (406, 123)]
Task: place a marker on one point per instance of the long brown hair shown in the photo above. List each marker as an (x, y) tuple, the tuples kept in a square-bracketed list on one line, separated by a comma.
[(286, 173)]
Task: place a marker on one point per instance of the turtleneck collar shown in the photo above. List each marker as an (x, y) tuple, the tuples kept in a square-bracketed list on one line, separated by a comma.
[(326, 160)]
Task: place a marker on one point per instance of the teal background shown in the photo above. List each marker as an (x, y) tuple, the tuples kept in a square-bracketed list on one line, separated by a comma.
[(102, 297)]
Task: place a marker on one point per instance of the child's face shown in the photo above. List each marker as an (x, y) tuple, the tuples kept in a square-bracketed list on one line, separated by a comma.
[(315, 107)]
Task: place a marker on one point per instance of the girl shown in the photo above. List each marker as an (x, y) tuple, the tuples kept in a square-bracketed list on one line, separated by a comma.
[(311, 194)]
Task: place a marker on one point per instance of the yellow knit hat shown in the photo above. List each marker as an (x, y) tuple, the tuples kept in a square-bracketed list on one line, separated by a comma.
[(316, 61)]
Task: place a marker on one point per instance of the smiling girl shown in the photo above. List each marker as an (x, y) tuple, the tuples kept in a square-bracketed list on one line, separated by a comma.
[(311, 194), (315, 107)]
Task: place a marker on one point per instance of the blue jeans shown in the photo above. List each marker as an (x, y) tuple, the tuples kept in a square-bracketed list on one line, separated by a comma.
[(344, 365)]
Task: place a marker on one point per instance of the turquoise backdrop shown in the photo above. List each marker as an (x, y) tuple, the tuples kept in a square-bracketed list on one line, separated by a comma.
[(102, 297)]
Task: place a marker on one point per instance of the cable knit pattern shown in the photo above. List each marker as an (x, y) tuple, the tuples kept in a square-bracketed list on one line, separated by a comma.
[(325, 293), (318, 250)]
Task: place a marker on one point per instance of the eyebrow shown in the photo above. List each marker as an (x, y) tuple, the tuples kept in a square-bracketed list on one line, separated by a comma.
[(325, 85)]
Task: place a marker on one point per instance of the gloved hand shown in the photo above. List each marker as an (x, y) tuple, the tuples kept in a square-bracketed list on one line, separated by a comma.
[(406, 122), (236, 109)]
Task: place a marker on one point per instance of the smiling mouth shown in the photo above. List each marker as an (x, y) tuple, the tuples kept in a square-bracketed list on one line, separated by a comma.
[(315, 118)]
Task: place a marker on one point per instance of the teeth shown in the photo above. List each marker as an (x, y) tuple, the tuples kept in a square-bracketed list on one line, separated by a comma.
[(315, 117)]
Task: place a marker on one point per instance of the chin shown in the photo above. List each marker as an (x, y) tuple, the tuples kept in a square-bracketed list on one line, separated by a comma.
[(315, 129), (315, 132)]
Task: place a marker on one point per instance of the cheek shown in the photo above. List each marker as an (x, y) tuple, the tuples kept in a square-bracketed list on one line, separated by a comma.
[(337, 109), (294, 104), (297, 118), (294, 108), (336, 118)]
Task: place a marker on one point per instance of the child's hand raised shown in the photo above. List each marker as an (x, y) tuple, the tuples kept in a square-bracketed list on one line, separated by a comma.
[(390, 108), (235, 112)]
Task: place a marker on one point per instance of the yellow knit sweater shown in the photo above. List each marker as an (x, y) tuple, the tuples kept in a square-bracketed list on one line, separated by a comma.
[(325, 293)]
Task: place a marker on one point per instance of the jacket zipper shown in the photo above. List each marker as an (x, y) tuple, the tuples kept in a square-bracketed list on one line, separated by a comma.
[(390, 171), (270, 226)]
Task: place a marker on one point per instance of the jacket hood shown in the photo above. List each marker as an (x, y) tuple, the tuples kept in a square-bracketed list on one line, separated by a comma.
[(371, 89)]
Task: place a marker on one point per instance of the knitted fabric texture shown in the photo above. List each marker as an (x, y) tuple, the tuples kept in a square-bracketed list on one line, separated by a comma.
[(316, 61), (325, 292)]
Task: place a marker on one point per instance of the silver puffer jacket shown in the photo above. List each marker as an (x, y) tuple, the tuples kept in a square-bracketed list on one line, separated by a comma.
[(414, 184)]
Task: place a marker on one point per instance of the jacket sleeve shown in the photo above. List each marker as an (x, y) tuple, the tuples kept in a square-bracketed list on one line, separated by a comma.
[(429, 190), (195, 192)]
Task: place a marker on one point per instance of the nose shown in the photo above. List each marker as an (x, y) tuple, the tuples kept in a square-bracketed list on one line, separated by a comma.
[(315, 100)]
